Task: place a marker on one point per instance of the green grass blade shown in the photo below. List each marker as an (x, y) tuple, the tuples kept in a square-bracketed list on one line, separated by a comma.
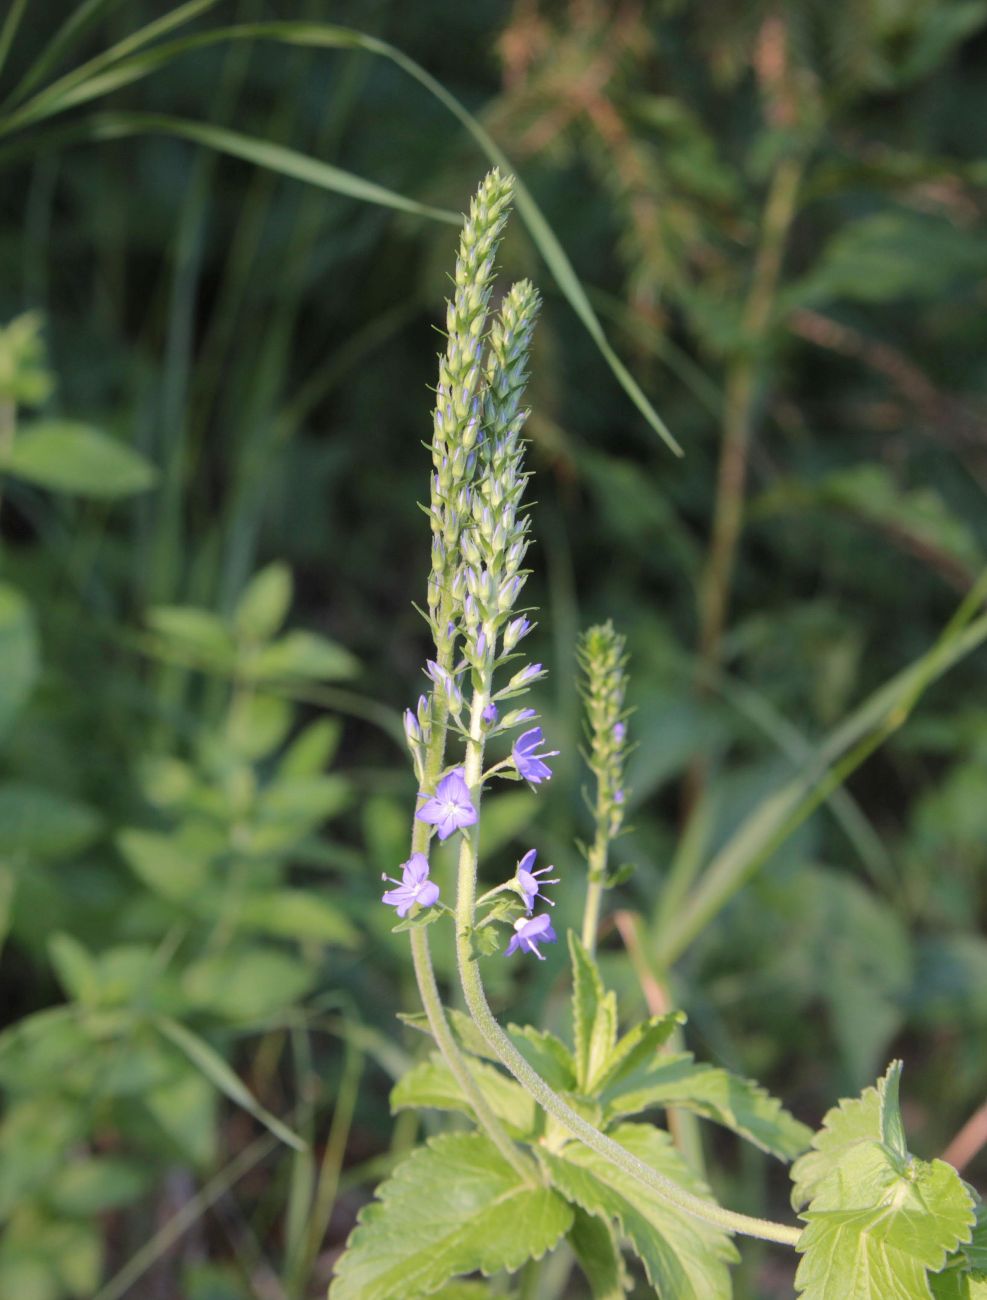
[(9, 29), (77, 89), (59, 45), (275, 157), (219, 1074), (777, 816)]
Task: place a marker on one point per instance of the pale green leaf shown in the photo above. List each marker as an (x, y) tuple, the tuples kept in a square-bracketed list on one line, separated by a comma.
[(595, 1245), (264, 604), (684, 1258), (244, 983), (453, 1207), (546, 1054), (18, 654), (300, 654), (432, 1083), (879, 1220), (65, 456), (738, 1104), (167, 867), (194, 636), (296, 914), (207, 1060)]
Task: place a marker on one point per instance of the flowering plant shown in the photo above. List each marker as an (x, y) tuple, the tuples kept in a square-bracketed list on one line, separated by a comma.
[(555, 1153)]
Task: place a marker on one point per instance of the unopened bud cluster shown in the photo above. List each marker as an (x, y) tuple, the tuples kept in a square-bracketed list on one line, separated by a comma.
[(604, 665), (457, 419)]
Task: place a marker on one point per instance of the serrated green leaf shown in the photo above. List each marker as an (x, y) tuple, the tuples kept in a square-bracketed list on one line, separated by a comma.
[(432, 1083), (594, 1017), (546, 1054), (878, 1220), (638, 1047), (453, 1207), (684, 1258), (737, 1103), (595, 1245), (848, 1129), (65, 456)]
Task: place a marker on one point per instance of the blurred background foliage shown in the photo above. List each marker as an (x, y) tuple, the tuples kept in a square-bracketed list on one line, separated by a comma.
[(213, 391)]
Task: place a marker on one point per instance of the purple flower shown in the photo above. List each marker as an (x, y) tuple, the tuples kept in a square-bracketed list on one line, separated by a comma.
[(489, 714), (530, 886), (450, 807), (414, 887), (514, 631), (527, 674), (618, 796), (531, 765), (619, 732), (528, 934)]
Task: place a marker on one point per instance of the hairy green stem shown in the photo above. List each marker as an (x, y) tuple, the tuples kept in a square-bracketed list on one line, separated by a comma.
[(511, 1058), (421, 954), (597, 874)]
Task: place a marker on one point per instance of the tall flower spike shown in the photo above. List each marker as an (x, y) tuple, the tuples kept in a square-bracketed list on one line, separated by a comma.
[(458, 397), (604, 664)]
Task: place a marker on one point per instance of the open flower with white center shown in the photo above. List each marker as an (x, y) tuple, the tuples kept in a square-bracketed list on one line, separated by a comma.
[(413, 887)]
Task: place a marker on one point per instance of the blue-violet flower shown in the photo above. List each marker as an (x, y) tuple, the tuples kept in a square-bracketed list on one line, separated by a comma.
[(528, 934), (531, 765), (450, 808), (414, 886), (529, 884)]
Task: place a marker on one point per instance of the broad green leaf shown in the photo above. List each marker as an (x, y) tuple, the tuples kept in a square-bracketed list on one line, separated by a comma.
[(166, 866), (432, 1083), (296, 914), (264, 605), (64, 456), (546, 1054), (36, 1136), (40, 823), (74, 967), (684, 1258), (594, 1017), (312, 750), (194, 636), (595, 1245), (300, 654), (244, 983), (90, 1186), (207, 1060), (738, 1104), (184, 1108), (453, 1207), (879, 1220), (18, 654)]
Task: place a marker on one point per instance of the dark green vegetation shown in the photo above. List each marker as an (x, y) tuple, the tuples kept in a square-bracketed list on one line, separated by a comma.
[(779, 221)]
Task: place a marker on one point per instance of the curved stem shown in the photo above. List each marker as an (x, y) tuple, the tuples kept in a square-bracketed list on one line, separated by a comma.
[(532, 1082), (428, 989)]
